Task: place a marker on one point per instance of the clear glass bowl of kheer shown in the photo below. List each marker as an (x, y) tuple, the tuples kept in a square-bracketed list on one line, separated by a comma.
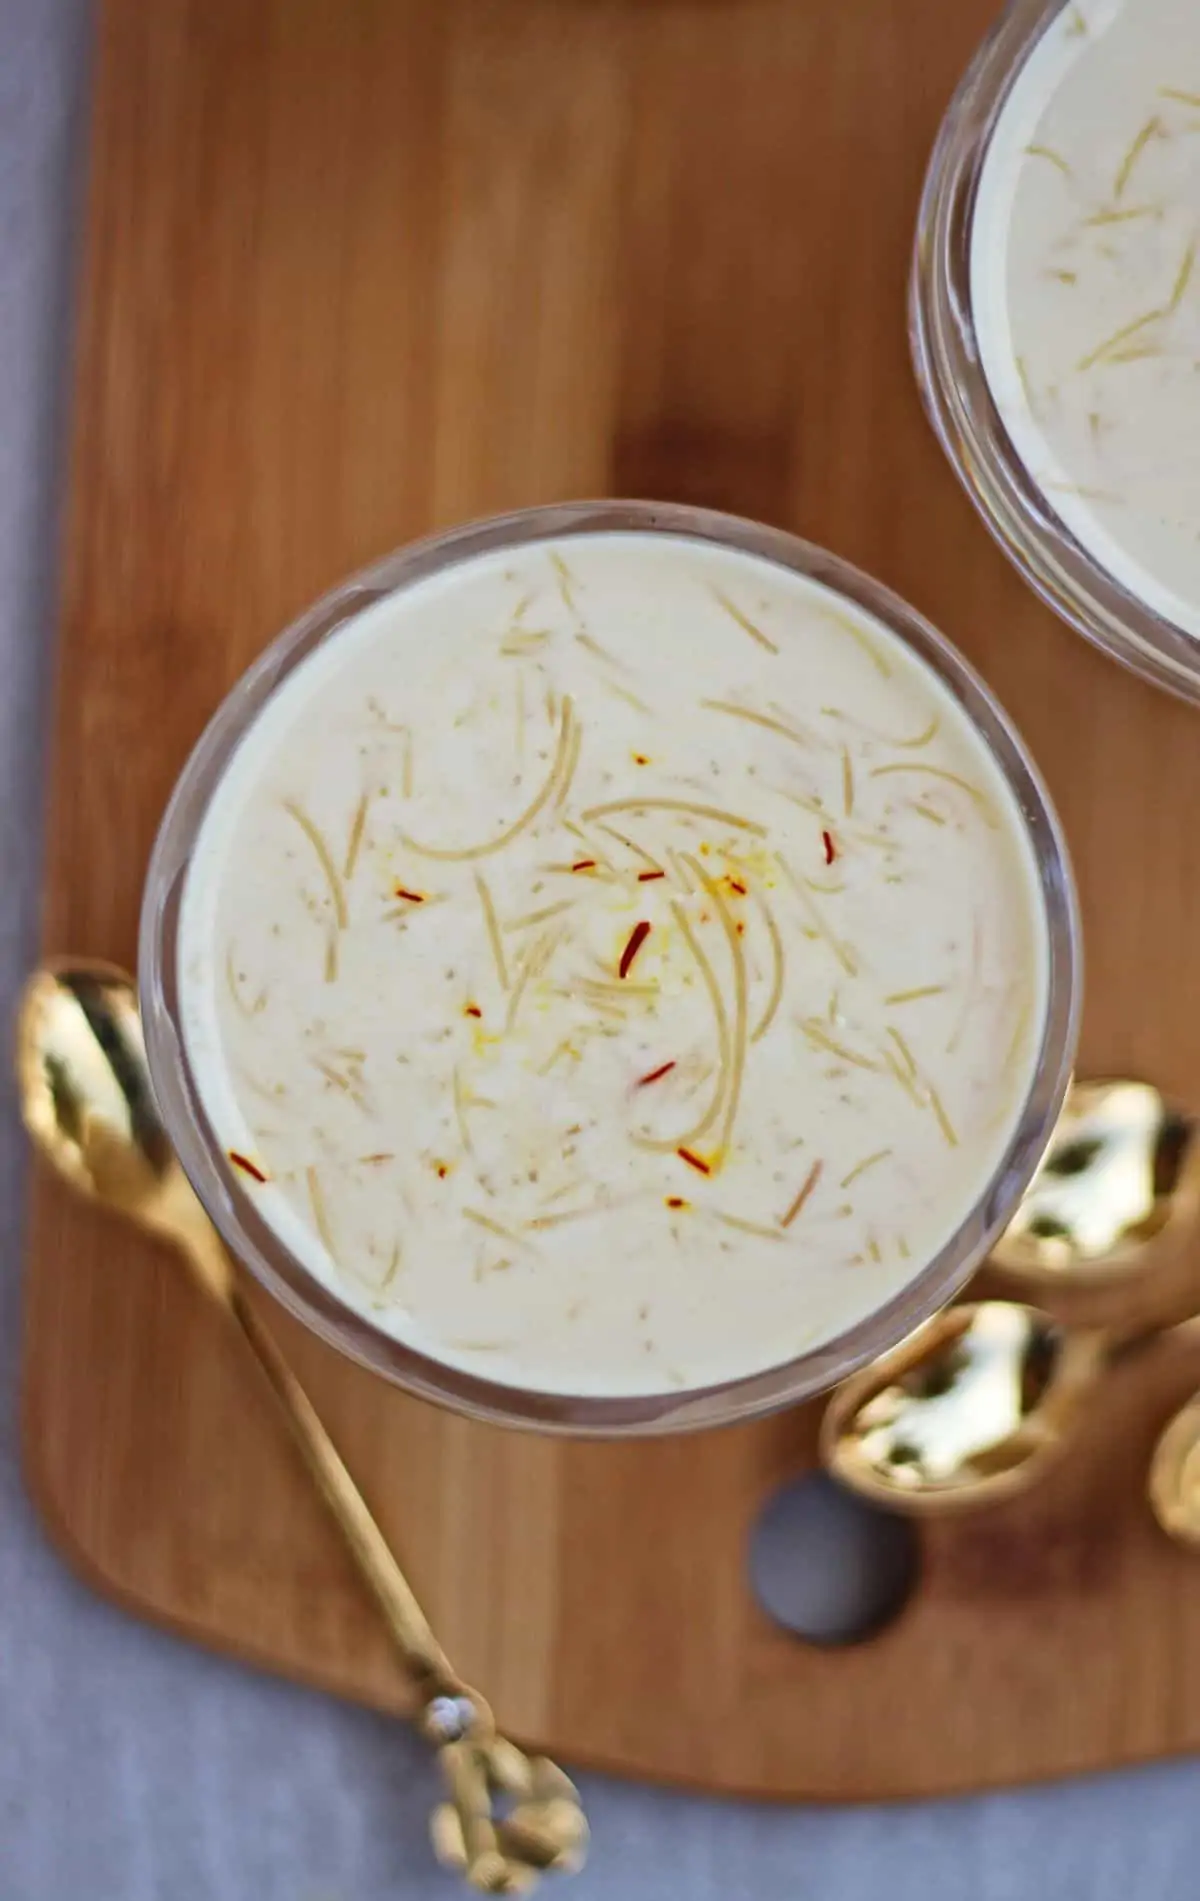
[(611, 968), (1055, 314)]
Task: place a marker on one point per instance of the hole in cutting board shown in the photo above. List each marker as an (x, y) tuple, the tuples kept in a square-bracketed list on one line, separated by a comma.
[(828, 1566)]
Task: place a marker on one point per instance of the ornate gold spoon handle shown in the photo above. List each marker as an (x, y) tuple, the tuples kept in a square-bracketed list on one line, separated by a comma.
[(424, 1657), (88, 1104), (546, 1827)]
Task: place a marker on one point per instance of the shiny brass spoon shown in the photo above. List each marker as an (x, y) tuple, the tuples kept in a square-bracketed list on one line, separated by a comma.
[(1173, 1485), (1117, 1191), (972, 1408), (87, 1102)]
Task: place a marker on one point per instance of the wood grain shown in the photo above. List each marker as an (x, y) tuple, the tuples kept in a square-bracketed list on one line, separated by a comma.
[(358, 268)]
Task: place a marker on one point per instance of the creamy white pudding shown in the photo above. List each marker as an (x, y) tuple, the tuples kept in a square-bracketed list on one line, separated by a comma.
[(614, 965), (1084, 289)]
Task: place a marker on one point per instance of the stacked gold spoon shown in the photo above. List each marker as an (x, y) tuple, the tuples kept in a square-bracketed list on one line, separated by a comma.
[(974, 1406)]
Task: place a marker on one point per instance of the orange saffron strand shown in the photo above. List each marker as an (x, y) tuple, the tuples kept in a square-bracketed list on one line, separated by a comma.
[(637, 937), (247, 1166), (655, 1075)]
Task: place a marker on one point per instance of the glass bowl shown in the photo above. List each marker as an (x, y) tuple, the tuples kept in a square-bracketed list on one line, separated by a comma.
[(258, 1246), (958, 399)]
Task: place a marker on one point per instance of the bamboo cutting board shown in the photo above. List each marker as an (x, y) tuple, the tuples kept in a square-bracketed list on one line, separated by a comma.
[(360, 268)]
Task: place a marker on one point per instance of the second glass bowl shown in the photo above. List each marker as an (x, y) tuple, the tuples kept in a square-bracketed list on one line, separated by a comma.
[(959, 400)]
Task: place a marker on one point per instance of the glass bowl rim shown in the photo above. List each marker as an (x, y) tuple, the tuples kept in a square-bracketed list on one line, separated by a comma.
[(958, 399), (231, 1206)]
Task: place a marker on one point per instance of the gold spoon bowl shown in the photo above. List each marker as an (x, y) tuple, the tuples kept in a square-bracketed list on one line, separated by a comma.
[(967, 1410), (972, 1408), (1117, 1191), (1174, 1482)]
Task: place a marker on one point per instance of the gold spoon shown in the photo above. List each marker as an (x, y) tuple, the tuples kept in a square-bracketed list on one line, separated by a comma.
[(1118, 1184), (972, 1408), (1174, 1482), (1117, 1191), (88, 1104)]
